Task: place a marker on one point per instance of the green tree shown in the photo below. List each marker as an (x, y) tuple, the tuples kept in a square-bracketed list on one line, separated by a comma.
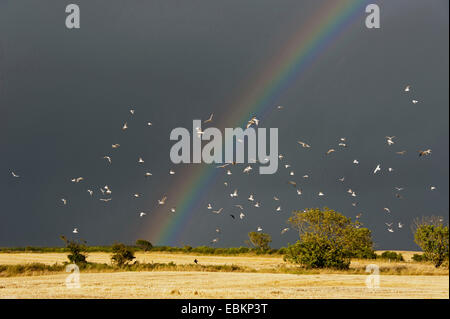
[(121, 254), (260, 240), (328, 239), (77, 251), (432, 237), (144, 244)]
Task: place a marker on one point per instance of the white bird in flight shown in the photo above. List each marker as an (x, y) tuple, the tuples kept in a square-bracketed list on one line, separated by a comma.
[(303, 144), (209, 119), (90, 192), (75, 231), (284, 230), (259, 228), (64, 201), (14, 174), (217, 211), (108, 158), (162, 201), (234, 194), (377, 169), (142, 214), (140, 160)]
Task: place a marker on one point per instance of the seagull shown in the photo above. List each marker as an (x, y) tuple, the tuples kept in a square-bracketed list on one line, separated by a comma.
[(162, 201), (75, 231), (215, 240), (280, 107), (199, 132), (401, 153), (125, 126), (147, 174), (278, 209), (399, 188), (387, 209), (423, 153), (400, 225), (173, 210), (291, 173), (354, 204), (321, 194), (234, 194), (115, 145), (407, 88), (140, 160), (90, 192), (229, 172), (241, 215), (247, 169), (305, 176), (358, 216), (353, 194), (64, 201), (303, 144), (342, 179), (280, 156), (390, 230), (171, 172), (287, 165), (132, 112), (142, 214), (342, 144), (136, 195), (225, 183), (224, 165), (209, 119), (105, 199), (257, 204), (252, 121), (389, 224), (390, 169), (355, 162), (217, 211), (415, 101), (77, 179), (377, 169), (433, 188), (209, 206), (259, 228), (293, 183), (399, 196), (299, 191), (276, 198), (14, 174), (239, 206), (284, 230), (251, 198), (331, 150), (149, 124), (389, 140), (218, 230), (108, 158)]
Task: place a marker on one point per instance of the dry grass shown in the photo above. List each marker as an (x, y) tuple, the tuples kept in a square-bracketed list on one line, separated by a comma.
[(256, 277), (223, 285)]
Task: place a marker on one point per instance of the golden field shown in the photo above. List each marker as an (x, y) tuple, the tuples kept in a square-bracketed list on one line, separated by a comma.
[(265, 280)]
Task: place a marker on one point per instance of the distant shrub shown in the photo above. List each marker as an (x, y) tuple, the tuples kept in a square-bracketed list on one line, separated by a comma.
[(418, 258), (122, 254), (144, 244), (77, 251), (261, 241), (391, 255)]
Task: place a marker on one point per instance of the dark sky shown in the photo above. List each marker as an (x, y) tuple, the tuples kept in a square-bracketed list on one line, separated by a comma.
[(64, 95)]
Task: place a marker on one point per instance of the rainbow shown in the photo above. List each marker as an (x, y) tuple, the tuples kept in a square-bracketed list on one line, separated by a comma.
[(303, 48)]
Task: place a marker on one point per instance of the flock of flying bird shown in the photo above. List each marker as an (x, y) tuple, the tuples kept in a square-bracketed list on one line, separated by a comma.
[(254, 121)]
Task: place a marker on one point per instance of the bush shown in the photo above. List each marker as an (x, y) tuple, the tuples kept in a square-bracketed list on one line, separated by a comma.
[(122, 254), (418, 258), (144, 244), (391, 255), (328, 239), (77, 251), (433, 238), (261, 241)]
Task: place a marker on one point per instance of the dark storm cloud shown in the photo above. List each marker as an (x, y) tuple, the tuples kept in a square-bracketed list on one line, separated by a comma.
[(64, 94)]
